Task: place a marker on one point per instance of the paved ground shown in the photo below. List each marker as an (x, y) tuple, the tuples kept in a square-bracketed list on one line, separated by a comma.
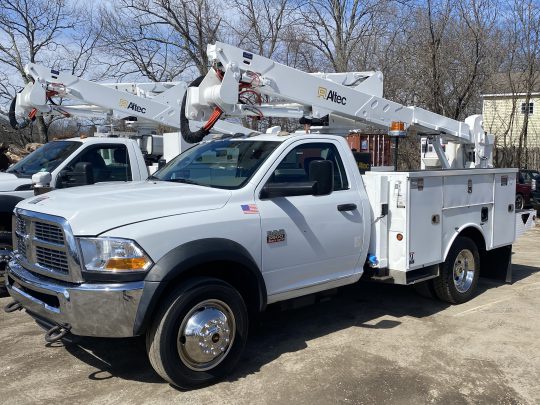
[(370, 344)]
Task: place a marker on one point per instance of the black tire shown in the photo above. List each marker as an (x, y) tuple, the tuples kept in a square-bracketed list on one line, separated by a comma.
[(457, 287), (6, 243), (520, 201), (164, 344)]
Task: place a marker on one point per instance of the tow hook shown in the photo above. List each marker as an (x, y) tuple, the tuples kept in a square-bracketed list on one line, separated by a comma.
[(13, 306), (56, 333)]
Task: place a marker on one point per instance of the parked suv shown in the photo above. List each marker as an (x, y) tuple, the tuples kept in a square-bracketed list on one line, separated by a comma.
[(524, 187), (535, 192)]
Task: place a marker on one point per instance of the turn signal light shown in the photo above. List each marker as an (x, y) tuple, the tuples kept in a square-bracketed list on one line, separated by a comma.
[(127, 263)]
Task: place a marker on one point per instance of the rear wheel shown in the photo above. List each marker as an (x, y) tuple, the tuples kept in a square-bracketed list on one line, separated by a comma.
[(520, 201), (199, 335), (459, 273), (6, 249)]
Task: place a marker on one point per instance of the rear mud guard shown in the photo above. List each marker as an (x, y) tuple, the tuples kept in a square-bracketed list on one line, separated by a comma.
[(497, 264)]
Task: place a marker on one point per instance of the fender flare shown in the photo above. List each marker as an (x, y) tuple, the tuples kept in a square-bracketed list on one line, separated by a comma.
[(458, 232), (184, 258)]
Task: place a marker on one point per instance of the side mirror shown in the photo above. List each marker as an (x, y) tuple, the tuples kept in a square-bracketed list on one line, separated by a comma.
[(81, 175), (322, 173), (272, 190), (152, 145), (41, 182)]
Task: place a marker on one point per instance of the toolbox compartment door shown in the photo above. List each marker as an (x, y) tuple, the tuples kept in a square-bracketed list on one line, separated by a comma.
[(425, 221)]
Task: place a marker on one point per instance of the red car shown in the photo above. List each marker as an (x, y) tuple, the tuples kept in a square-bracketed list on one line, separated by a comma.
[(524, 188)]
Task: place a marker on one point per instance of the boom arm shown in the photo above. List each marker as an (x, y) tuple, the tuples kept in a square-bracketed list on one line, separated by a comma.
[(152, 103), (276, 86)]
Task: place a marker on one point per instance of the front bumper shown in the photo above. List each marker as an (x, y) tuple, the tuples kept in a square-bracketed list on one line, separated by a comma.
[(102, 310)]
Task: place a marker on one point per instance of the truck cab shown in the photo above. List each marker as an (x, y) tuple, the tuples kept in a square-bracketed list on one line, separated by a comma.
[(108, 159)]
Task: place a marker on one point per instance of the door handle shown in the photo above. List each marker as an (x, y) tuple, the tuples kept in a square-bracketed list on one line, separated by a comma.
[(346, 207)]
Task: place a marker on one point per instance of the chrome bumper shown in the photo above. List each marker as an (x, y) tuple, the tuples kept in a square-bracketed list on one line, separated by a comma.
[(103, 310)]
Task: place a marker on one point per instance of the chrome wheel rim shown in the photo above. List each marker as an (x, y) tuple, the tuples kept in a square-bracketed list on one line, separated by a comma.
[(519, 202), (464, 269), (206, 335)]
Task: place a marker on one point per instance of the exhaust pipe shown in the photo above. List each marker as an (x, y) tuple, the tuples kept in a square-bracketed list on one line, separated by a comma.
[(13, 306), (56, 333)]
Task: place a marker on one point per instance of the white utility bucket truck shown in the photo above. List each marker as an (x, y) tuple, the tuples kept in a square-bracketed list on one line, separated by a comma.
[(190, 255), (127, 156)]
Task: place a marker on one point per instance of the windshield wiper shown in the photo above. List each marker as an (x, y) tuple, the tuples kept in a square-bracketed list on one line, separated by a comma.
[(186, 181), (152, 177)]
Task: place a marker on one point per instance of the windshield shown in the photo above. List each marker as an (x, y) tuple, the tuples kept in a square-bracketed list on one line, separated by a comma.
[(225, 164), (45, 159)]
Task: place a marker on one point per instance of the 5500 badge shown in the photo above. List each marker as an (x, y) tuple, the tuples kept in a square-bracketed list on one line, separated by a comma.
[(275, 236)]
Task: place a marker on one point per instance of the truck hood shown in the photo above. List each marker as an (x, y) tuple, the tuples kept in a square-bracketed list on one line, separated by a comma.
[(92, 210), (9, 182)]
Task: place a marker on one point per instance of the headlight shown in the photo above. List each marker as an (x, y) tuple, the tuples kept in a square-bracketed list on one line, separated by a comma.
[(533, 184), (113, 255)]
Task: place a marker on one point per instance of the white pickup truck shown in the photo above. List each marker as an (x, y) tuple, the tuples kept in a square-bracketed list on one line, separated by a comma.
[(190, 255), (109, 159)]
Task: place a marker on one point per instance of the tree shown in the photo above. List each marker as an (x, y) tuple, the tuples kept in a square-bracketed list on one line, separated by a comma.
[(33, 31), (260, 24), (450, 45), (526, 50), (140, 48), (336, 28), (194, 24)]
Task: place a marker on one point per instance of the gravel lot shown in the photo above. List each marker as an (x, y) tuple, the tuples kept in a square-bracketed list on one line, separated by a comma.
[(369, 344)]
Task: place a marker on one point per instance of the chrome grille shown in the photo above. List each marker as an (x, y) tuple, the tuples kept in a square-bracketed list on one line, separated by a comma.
[(21, 245), (52, 259), (45, 245), (48, 233), (21, 226)]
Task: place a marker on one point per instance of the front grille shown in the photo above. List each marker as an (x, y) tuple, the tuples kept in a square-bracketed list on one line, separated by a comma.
[(52, 259), (48, 233), (21, 245), (21, 226), (44, 246)]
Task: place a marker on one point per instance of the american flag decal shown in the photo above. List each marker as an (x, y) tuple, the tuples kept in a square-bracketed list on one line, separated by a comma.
[(250, 209)]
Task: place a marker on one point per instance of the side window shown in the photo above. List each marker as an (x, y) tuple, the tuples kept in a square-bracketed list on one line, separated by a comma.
[(109, 162), (295, 165)]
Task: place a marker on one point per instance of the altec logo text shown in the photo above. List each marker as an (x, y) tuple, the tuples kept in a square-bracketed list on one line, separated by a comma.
[(332, 96), (132, 106)]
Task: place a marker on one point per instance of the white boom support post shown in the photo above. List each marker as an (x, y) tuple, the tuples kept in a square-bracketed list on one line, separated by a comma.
[(152, 103), (319, 95)]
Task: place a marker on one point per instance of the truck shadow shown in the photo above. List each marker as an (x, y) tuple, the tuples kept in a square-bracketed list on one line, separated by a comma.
[(520, 272), (278, 331)]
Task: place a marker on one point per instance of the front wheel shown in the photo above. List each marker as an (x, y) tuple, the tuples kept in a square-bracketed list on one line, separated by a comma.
[(200, 333), (459, 274)]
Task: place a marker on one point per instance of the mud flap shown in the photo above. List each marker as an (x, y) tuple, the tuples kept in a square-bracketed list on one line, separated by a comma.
[(497, 264)]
